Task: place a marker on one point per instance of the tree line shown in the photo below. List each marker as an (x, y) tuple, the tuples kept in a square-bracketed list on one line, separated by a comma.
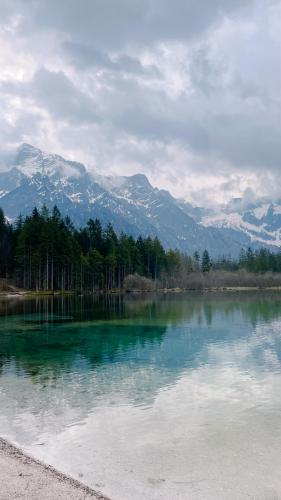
[(44, 251)]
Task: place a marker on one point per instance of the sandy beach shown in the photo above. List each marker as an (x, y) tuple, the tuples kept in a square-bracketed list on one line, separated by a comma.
[(23, 477)]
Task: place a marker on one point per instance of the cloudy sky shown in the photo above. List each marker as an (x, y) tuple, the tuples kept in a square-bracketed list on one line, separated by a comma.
[(187, 92)]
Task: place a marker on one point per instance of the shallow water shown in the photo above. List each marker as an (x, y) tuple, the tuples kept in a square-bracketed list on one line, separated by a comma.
[(167, 396)]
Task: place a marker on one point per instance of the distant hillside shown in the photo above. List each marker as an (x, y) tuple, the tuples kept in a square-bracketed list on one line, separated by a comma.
[(131, 204)]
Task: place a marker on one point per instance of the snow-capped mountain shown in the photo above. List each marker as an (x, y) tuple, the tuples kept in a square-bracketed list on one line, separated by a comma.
[(130, 203), (261, 223), (31, 161)]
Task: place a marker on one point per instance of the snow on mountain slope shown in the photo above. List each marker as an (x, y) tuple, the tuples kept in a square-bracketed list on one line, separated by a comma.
[(261, 224), (30, 161), (131, 204), (261, 211)]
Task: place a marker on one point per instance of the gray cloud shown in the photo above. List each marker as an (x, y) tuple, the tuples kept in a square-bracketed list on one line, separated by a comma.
[(189, 89), (55, 92), (86, 57), (115, 24), (61, 97)]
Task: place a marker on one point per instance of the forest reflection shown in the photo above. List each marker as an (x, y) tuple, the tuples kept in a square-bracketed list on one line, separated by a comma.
[(50, 334)]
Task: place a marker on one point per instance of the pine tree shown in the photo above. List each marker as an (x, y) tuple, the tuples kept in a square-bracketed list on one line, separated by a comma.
[(205, 262)]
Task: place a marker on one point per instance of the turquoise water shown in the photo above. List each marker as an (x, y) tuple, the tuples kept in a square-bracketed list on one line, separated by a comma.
[(167, 396)]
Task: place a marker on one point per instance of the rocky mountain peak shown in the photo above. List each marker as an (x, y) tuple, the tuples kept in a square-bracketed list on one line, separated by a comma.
[(133, 205), (31, 160)]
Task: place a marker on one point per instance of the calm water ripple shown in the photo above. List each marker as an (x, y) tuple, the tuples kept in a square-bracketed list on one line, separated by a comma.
[(168, 396)]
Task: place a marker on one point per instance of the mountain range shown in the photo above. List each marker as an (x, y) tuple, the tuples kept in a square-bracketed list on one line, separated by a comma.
[(132, 205)]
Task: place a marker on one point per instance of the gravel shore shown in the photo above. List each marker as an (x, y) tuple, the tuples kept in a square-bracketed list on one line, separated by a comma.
[(23, 477)]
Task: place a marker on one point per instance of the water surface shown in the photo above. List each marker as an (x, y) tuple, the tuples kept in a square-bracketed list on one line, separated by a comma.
[(165, 396)]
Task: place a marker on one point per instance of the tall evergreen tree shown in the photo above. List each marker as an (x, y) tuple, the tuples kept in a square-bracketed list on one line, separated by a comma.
[(44, 251), (205, 262)]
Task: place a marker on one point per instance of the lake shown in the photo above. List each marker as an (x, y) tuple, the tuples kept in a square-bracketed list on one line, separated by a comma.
[(169, 396)]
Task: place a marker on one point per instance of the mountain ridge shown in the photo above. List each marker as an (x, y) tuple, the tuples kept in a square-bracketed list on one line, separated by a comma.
[(130, 203)]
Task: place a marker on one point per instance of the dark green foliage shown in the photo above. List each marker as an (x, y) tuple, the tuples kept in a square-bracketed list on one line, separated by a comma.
[(6, 244), (205, 262), (44, 251)]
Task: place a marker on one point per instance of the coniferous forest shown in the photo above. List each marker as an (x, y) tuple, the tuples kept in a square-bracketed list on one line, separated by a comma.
[(44, 251)]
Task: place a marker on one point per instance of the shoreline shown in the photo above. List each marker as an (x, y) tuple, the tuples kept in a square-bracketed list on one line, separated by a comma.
[(25, 477), (34, 294)]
